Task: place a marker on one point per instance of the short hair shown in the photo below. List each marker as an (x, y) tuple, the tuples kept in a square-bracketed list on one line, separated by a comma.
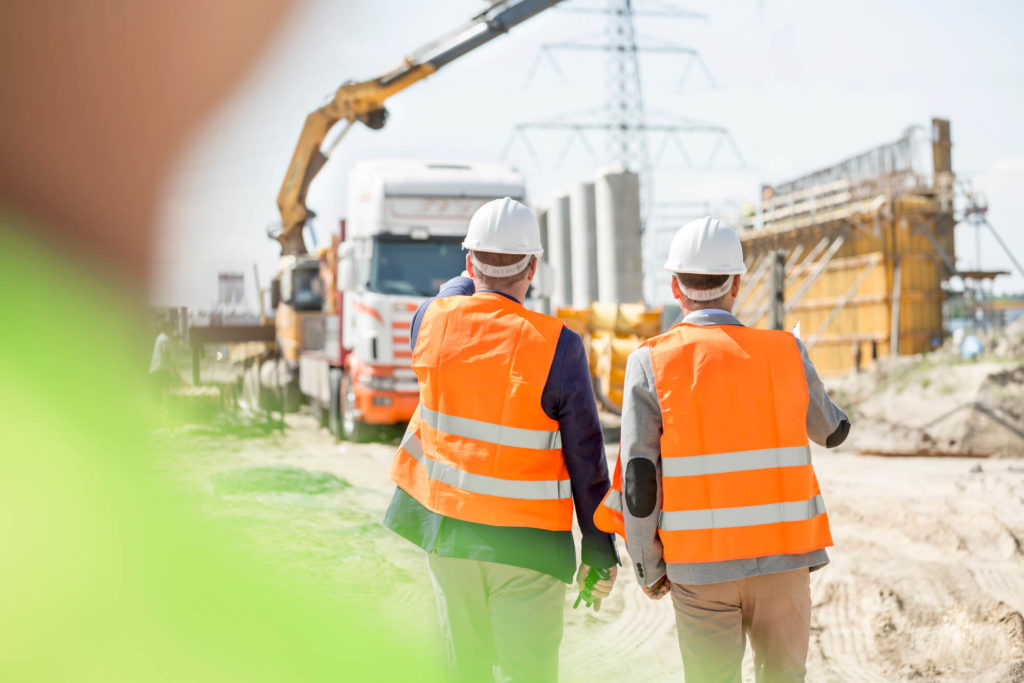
[(491, 258), (702, 281)]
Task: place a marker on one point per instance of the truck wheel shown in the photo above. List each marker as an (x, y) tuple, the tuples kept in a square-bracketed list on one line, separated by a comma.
[(334, 403), (352, 429)]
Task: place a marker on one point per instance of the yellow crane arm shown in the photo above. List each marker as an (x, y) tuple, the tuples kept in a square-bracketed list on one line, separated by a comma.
[(364, 102)]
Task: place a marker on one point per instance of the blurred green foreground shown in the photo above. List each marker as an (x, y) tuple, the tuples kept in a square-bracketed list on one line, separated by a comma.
[(110, 572)]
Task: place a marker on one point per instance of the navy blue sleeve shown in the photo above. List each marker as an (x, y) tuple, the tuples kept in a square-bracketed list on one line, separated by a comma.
[(568, 397), (457, 286)]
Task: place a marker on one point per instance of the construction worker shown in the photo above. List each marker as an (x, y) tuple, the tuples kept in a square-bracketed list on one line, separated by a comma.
[(163, 371), (506, 440), (714, 490)]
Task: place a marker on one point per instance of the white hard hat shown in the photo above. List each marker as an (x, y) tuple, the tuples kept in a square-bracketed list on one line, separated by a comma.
[(504, 226), (706, 247)]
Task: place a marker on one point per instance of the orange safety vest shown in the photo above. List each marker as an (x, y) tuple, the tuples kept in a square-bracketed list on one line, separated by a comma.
[(480, 448), (737, 479)]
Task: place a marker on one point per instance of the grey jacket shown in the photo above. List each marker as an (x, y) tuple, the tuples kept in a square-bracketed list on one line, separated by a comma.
[(827, 425)]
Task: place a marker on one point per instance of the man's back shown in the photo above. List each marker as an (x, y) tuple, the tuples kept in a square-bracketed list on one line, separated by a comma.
[(504, 445), (736, 466), (481, 448), (731, 381), (566, 397)]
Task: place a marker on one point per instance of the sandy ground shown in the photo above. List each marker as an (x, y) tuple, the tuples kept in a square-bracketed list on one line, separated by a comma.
[(926, 580)]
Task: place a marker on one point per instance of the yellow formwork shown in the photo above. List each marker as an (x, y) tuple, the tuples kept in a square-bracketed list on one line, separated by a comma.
[(610, 333), (845, 297)]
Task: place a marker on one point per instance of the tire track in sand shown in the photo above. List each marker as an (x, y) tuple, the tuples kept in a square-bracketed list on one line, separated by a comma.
[(636, 637), (840, 628), (1004, 582)]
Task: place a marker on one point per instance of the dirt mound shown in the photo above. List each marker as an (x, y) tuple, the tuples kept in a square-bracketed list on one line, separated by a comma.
[(936, 403), (1009, 342)]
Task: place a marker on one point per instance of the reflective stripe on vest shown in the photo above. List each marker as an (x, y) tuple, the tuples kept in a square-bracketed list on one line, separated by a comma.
[(741, 461), (481, 448), (477, 483), (610, 519), (751, 515), (490, 432), (613, 501), (737, 480), (608, 515)]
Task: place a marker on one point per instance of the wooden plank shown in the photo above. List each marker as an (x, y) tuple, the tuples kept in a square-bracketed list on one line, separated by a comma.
[(923, 453), (844, 300), (760, 308), (213, 334), (750, 283), (816, 273), (894, 334)]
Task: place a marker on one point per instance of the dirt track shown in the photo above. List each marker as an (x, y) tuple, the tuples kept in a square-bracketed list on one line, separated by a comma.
[(926, 580)]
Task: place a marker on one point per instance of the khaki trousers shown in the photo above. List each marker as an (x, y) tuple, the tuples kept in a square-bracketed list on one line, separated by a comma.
[(714, 620), (500, 623)]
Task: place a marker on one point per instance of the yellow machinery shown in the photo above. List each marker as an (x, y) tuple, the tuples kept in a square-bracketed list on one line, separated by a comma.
[(610, 333), (297, 291)]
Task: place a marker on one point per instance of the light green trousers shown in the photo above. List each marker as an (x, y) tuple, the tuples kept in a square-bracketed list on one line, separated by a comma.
[(500, 623)]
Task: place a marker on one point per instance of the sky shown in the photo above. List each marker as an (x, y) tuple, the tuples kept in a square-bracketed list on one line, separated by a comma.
[(800, 85)]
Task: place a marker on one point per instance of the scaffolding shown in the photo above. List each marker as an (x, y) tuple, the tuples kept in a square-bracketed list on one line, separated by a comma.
[(866, 246)]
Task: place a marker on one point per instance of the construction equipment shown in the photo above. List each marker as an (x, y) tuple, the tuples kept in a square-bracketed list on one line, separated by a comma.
[(610, 333), (401, 242), (298, 292), (364, 102)]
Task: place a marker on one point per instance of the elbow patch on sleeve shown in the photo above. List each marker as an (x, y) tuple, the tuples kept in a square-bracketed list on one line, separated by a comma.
[(641, 483), (838, 436)]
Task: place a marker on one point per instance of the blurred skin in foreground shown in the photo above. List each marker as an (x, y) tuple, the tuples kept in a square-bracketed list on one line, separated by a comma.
[(98, 97), (108, 576)]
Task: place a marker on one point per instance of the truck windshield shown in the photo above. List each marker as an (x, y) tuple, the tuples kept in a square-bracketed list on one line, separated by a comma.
[(408, 267), (307, 289)]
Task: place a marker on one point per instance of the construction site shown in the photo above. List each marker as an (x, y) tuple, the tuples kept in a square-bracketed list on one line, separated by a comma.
[(282, 419)]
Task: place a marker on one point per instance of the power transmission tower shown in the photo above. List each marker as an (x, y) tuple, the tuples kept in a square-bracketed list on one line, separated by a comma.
[(624, 121), (628, 141)]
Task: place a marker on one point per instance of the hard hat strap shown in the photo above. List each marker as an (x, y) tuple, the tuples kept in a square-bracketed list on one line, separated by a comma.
[(500, 271), (705, 294)]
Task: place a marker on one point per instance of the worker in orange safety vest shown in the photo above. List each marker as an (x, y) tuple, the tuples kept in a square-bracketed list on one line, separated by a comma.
[(714, 490), (504, 444)]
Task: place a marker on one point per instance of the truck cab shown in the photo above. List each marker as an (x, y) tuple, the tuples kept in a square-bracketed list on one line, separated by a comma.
[(403, 239)]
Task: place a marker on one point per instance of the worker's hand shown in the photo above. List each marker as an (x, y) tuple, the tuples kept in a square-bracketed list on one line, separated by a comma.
[(660, 589), (602, 589)]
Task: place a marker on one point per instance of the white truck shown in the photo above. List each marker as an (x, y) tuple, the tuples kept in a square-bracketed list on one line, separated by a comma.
[(402, 240)]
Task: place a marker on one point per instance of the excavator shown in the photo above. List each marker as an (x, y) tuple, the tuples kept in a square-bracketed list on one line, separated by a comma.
[(363, 102), (299, 291)]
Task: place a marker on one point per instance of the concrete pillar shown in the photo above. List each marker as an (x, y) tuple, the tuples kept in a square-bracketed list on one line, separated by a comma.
[(558, 251), (583, 230), (619, 250), (541, 212)]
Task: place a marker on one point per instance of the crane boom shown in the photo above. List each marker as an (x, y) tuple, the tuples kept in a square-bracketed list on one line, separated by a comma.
[(364, 102)]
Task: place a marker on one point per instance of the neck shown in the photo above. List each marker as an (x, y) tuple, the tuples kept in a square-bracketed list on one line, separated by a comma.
[(687, 310), (518, 292)]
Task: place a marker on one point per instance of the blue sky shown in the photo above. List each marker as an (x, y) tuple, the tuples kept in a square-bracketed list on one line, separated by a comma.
[(800, 85)]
